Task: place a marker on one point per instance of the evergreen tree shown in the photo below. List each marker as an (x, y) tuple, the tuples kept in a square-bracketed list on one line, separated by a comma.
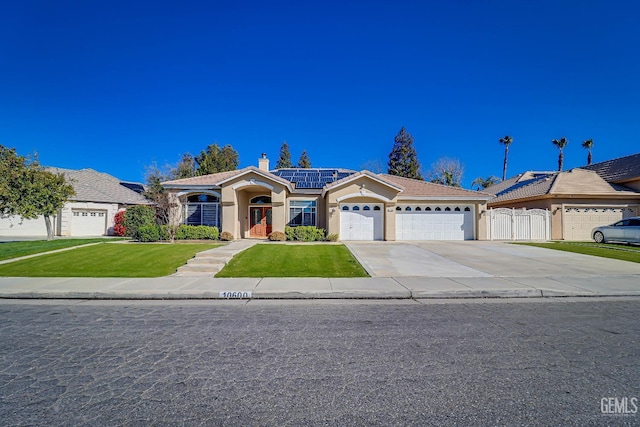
[(304, 161), (215, 159), (186, 167), (284, 161), (403, 159), (28, 190)]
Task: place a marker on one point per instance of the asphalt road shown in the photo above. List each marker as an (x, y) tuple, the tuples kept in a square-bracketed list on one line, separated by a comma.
[(541, 362)]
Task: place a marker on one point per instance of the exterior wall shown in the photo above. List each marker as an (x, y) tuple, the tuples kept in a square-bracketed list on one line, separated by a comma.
[(362, 190), (61, 223), (66, 214), (14, 226), (321, 208), (236, 195), (635, 184)]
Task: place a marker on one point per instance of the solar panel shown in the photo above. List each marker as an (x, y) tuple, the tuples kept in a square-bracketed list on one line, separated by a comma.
[(311, 178)]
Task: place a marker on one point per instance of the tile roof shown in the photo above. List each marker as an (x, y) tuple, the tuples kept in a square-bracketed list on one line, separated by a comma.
[(574, 182), (216, 179), (378, 177), (93, 186), (418, 188), (618, 170), (211, 179)]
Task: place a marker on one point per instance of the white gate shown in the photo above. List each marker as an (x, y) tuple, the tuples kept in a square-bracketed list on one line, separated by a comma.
[(519, 224)]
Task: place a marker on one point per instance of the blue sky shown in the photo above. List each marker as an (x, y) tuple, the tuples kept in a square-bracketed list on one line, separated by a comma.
[(115, 86)]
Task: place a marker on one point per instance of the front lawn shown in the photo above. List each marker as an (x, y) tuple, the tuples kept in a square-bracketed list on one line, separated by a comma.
[(108, 260), (606, 250), (278, 260), (10, 250)]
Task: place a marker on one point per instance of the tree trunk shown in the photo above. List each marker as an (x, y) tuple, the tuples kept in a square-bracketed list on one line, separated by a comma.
[(47, 222), (504, 166), (560, 161), (589, 158)]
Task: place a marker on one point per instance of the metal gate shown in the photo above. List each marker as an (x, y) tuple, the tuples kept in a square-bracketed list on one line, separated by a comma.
[(519, 224)]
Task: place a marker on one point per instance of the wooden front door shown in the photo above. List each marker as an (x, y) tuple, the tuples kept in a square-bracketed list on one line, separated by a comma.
[(260, 221)]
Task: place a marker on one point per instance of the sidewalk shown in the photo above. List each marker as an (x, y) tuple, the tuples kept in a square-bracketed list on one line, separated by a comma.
[(173, 287)]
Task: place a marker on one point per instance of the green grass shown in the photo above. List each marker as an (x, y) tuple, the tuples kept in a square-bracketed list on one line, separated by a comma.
[(10, 250), (108, 260), (277, 260), (615, 251)]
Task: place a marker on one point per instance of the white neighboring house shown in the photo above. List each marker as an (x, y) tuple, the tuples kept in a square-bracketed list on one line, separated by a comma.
[(90, 212)]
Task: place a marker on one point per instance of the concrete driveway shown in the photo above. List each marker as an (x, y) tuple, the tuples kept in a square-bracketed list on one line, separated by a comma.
[(480, 259)]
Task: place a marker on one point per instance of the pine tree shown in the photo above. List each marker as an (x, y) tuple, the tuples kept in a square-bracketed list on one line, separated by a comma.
[(304, 161), (284, 161), (403, 158), (216, 159)]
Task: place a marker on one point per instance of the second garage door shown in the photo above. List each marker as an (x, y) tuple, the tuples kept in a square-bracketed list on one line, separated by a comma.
[(359, 221), (434, 222), (88, 222), (578, 221)]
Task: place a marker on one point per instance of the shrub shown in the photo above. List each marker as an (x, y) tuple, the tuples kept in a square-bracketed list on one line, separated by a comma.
[(288, 231), (305, 233), (118, 224), (277, 236), (196, 232), (136, 217), (163, 230), (226, 236), (333, 237), (149, 233)]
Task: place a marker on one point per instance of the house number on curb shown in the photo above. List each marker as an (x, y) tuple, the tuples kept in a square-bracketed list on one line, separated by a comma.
[(235, 294)]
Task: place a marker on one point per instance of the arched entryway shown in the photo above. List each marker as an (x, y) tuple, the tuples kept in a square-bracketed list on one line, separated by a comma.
[(260, 216)]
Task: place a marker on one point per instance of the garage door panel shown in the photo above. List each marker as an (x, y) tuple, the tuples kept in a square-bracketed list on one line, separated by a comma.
[(579, 221), (88, 222), (427, 223), (361, 224)]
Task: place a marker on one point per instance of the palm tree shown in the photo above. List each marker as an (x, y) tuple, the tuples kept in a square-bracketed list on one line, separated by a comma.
[(506, 141), (560, 143), (588, 144), (483, 183)]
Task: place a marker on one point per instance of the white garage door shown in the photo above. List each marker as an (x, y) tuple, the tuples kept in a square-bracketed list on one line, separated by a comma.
[(578, 221), (434, 222), (88, 222), (361, 221)]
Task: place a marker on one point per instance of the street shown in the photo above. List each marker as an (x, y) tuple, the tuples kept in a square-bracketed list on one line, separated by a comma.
[(343, 363)]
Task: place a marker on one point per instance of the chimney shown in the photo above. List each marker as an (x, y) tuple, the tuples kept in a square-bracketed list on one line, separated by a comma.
[(263, 163)]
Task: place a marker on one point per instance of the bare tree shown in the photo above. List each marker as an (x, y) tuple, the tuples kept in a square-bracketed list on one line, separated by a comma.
[(446, 171)]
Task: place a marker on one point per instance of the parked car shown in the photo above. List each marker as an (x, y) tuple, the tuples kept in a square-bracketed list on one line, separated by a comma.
[(627, 230)]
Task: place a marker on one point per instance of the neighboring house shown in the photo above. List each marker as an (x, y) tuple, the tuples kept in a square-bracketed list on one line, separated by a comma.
[(252, 202), (579, 199), (623, 171), (90, 212)]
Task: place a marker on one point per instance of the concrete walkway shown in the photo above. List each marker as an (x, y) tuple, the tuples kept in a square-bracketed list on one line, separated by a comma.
[(293, 288)]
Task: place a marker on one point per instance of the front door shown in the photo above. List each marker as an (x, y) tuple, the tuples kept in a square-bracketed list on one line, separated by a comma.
[(260, 221)]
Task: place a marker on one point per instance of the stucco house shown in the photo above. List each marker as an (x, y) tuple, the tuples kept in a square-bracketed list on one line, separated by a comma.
[(90, 212), (579, 199), (254, 201)]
